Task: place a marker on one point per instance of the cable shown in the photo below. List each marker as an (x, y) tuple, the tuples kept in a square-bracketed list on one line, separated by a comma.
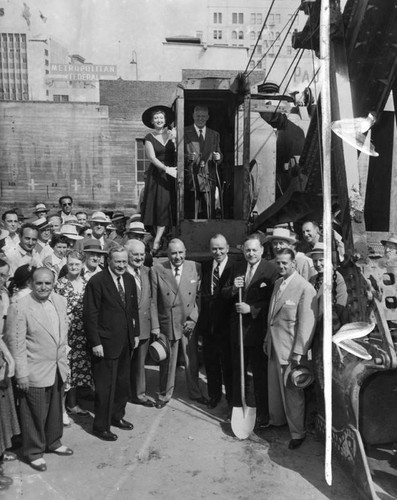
[(300, 54), (260, 34)]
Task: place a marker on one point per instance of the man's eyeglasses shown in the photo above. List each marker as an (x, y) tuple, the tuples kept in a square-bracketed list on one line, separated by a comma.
[(66, 204)]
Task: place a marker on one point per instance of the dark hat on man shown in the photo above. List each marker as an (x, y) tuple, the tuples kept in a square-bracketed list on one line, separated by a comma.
[(147, 115), (93, 245), (40, 207), (118, 215), (41, 223)]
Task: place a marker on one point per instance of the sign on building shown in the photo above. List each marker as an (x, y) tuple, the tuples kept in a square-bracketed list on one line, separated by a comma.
[(83, 72)]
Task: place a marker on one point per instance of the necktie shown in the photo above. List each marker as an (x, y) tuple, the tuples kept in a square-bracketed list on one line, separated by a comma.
[(121, 291), (201, 140), (177, 274), (215, 280), (249, 276), (138, 282), (319, 281)]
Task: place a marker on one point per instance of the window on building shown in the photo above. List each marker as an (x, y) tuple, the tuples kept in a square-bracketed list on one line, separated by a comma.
[(142, 163), (252, 36), (217, 17), (259, 19), (270, 19), (46, 62), (234, 35), (61, 98), (237, 18), (47, 72), (259, 64), (289, 50), (258, 50), (252, 65), (217, 34), (277, 18), (253, 18), (46, 52), (241, 35)]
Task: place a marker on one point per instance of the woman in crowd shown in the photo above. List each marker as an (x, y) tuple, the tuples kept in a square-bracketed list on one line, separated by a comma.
[(57, 260), (159, 199), (72, 287), (9, 426)]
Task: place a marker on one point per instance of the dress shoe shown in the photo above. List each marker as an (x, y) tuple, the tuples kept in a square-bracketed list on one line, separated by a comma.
[(160, 404), (5, 480), (295, 443), (8, 456), (262, 423), (212, 403), (63, 451), (147, 402), (123, 424), (38, 464), (105, 435), (202, 400)]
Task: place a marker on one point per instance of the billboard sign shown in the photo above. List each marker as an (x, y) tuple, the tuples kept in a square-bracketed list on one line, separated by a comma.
[(83, 72)]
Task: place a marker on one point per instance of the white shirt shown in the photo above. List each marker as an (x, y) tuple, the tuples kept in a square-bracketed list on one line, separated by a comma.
[(179, 272), (11, 242), (17, 257), (203, 129)]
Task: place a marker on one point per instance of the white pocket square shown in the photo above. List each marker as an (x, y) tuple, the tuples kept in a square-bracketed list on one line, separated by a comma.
[(262, 285), (193, 281), (290, 303)]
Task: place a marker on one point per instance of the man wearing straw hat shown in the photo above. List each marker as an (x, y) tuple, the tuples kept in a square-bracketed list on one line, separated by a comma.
[(40, 210)]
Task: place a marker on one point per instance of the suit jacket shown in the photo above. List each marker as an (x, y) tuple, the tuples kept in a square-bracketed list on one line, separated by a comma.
[(106, 320), (292, 319), (257, 295), (37, 352), (144, 302), (192, 145), (172, 305), (215, 310)]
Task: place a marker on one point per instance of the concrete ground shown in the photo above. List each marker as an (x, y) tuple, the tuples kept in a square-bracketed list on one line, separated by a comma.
[(181, 452)]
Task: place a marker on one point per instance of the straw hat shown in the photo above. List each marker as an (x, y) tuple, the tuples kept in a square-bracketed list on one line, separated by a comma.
[(159, 350), (317, 249), (41, 223), (147, 115), (70, 231), (281, 233), (99, 217), (136, 227), (300, 376), (40, 207), (390, 239)]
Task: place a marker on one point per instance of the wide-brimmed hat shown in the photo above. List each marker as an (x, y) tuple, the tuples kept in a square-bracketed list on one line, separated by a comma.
[(147, 115), (118, 215), (136, 227), (392, 238), (317, 249), (70, 231), (300, 376), (93, 245), (41, 223), (40, 207), (99, 217), (159, 350), (281, 233)]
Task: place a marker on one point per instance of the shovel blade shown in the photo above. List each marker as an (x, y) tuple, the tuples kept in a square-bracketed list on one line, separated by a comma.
[(243, 421)]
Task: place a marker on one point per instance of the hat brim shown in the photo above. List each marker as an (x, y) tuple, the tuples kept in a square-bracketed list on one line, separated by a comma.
[(147, 115), (137, 231), (46, 210), (394, 242), (72, 236), (95, 250), (101, 221), (282, 238)]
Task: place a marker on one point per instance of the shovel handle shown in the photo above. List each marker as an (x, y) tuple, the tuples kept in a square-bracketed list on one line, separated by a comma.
[(242, 368)]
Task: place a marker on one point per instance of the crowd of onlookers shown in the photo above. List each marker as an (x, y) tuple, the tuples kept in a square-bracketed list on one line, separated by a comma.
[(82, 300)]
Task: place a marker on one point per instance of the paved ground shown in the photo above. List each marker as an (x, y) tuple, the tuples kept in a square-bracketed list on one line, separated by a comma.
[(182, 452)]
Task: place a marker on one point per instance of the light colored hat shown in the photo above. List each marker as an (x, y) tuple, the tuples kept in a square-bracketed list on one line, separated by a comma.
[(280, 233), (136, 227), (93, 245), (300, 376), (41, 223), (70, 231), (159, 350), (99, 217), (390, 239), (317, 249), (40, 207)]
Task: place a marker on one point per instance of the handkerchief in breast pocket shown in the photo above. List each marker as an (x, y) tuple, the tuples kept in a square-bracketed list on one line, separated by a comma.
[(262, 285), (290, 303)]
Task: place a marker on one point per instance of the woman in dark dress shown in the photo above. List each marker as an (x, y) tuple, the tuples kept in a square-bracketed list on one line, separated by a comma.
[(159, 198)]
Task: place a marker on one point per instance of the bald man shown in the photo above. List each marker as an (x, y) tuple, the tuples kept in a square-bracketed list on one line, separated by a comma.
[(36, 333)]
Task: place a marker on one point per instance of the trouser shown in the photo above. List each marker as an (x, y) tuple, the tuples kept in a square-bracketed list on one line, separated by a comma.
[(138, 375), (286, 402), (218, 366), (112, 388), (255, 358), (168, 368), (41, 419)]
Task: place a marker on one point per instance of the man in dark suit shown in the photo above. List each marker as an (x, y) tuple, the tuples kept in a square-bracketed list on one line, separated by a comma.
[(136, 257), (214, 322), (202, 153), (256, 277), (36, 333), (111, 323), (174, 312)]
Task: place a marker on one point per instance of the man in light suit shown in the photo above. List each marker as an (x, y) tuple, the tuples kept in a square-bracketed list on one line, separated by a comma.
[(291, 324), (111, 323), (214, 322), (36, 333), (256, 277), (136, 258), (174, 312), (203, 154)]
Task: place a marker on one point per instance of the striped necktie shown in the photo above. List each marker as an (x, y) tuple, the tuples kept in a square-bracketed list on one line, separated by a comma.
[(177, 274), (201, 140), (215, 280), (250, 274), (138, 281), (121, 291)]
